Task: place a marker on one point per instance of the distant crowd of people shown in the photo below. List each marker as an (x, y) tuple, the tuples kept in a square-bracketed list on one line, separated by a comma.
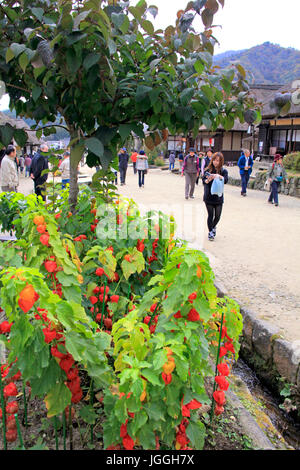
[(208, 166)]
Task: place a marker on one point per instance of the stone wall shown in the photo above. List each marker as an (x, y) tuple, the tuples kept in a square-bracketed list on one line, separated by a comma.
[(291, 189)]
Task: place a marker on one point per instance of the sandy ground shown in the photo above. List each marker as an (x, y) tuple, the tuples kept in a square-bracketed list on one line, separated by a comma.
[(256, 254)]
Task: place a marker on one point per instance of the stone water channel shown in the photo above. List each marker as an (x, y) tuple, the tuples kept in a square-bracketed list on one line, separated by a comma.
[(269, 405)]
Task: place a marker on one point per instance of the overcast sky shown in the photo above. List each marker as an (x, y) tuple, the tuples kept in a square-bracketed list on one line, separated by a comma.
[(245, 23)]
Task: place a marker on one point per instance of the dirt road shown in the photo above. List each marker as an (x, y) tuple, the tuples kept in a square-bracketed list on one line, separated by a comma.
[(256, 254)]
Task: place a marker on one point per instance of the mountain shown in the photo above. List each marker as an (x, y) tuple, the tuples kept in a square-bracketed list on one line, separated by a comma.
[(268, 63)]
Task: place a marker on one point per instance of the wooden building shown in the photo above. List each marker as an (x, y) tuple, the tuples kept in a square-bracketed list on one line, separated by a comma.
[(280, 134), (265, 139), (32, 143)]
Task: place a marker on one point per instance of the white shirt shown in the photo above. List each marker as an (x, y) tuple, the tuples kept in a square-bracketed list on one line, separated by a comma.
[(9, 173), (65, 169)]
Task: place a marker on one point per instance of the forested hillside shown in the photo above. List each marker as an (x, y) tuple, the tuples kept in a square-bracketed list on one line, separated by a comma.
[(267, 63)]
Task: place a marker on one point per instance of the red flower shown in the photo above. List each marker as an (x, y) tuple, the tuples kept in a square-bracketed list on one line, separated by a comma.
[(27, 298), (222, 382), (223, 351), (219, 410), (106, 290), (193, 315), (12, 407), (50, 266), (108, 323), (194, 404), (123, 429), (74, 386), (114, 299), (99, 272), (152, 329), (223, 369), (153, 307), (93, 299), (41, 228), (178, 314), (56, 353), (229, 346), (185, 411), (44, 239), (96, 290), (10, 390), (93, 228), (101, 298), (11, 435), (5, 327), (147, 320), (167, 378), (77, 397), (219, 397), (66, 363), (11, 422), (193, 296), (128, 442), (50, 335)]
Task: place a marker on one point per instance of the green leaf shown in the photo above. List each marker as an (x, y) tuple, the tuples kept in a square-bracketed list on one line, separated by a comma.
[(151, 376), (36, 93), (57, 399), (91, 60), (196, 433), (88, 414), (95, 146), (20, 137), (147, 437), (38, 13)]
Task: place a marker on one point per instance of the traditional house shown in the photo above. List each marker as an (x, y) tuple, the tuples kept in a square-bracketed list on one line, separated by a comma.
[(280, 134), (32, 143), (241, 136)]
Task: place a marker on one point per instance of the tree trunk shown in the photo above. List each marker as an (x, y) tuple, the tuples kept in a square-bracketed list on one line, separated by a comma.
[(75, 157)]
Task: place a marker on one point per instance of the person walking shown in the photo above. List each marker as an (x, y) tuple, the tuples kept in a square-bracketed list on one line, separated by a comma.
[(133, 159), (172, 161), (206, 161), (65, 170), (276, 175), (39, 163), (245, 164), (190, 170), (201, 156), (21, 164), (8, 171), (142, 167), (123, 165), (214, 202), (181, 160), (27, 163)]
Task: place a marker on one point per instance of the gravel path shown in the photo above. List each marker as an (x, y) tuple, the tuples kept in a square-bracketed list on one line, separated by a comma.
[(256, 254)]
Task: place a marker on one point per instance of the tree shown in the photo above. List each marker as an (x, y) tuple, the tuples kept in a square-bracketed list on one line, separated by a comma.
[(103, 68)]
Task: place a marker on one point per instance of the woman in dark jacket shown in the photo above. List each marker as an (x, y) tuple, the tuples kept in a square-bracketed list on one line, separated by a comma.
[(213, 202)]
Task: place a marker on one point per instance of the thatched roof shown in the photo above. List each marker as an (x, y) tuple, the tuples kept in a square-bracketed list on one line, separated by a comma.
[(264, 94), (19, 124)]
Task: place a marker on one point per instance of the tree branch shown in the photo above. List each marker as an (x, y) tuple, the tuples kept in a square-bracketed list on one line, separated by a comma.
[(45, 127)]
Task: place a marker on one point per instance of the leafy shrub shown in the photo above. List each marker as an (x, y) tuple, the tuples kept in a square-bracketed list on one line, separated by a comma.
[(292, 161), (159, 161), (129, 323)]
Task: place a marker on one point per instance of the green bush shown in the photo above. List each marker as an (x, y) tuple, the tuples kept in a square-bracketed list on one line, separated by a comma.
[(292, 161), (159, 161)]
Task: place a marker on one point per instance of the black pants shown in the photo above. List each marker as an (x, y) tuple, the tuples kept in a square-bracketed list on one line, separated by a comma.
[(134, 168), (123, 171), (141, 177), (214, 215), (40, 188)]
